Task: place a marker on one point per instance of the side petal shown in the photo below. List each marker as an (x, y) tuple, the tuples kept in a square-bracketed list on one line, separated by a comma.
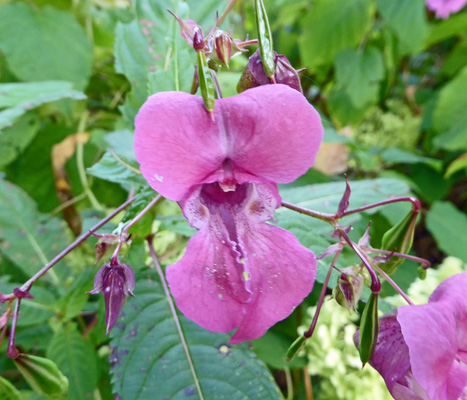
[(281, 273), (176, 143), (272, 130), (430, 333)]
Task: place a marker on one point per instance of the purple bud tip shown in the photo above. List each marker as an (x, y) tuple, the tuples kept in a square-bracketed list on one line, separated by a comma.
[(198, 41), (12, 352)]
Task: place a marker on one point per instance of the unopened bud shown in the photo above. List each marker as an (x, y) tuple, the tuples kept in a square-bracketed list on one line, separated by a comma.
[(369, 329), (223, 44), (349, 288), (117, 282), (198, 40), (399, 238), (254, 74)]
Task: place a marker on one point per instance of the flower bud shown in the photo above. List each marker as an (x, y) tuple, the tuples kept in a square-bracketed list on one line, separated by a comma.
[(43, 376), (254, 74), (105, 242), (349, 288), (223, 44), (399, 238), (198, 40), (117, 281), (369, 329)]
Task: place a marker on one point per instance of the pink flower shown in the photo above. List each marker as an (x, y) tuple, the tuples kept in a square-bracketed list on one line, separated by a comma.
[(444, 8), (422, 352), (238, 271)]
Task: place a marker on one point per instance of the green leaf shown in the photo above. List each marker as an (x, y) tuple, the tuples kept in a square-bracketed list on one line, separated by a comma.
[(76, 359), (43, 376), (449, 228), (330, 26), (18, 98), (342, 109), (369, 329), (407, 19), (458, 164), (27, 238), (8, 391), (395, 155), (360, 72), (14, 139), (149, 361), (449, 116), (120, 171), (456, 24), (45, 44)]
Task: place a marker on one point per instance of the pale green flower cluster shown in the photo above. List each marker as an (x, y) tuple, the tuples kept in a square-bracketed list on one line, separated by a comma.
[(333, 356), (396, 127), (420, 290)]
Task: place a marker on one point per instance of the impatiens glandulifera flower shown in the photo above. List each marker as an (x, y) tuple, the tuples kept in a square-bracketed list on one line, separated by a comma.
[(254, 74), (444, 8), (422, 351), (238, 271), (117, 282)]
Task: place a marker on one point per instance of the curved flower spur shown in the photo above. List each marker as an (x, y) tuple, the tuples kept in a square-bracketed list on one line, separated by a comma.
[(238, 271)]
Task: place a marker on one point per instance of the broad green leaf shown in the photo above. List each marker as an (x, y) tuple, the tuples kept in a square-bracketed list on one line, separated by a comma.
[(449, 228), (122, 143), (395, 155), (157, 32), (407, 19), (458, 164), (119, 170), (76, 358), (342, 109), (45, 44), (360, 72), (43, 376), (150, 363), (18, 98), (14, 139), (28, 238), (331, 26), (8, 391), (456, 24), (449, 116)]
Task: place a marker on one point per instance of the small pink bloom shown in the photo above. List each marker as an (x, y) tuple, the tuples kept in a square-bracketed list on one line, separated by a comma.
[(422, 352), (238, 271), (444, 8)]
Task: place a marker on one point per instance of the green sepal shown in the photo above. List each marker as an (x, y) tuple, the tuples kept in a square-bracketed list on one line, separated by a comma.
[(8, 391), (295, 347), (206, 84), (400, 239), (266, 47), (369, 329), (43, 376)]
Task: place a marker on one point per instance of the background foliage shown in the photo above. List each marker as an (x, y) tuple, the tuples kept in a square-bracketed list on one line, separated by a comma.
[(389, 80)]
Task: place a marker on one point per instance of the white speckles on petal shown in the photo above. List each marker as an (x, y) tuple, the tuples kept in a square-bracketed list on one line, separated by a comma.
[(159, 178)]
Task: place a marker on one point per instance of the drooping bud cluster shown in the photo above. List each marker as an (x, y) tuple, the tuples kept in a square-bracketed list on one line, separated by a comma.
[(116, 281), (349, 288)]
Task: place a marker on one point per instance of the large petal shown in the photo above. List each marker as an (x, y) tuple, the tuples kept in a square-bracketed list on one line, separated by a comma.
[(430, 333), (239, 271), (452, 292), (269, 133), (281, 273), (273, 131), (391, 358)]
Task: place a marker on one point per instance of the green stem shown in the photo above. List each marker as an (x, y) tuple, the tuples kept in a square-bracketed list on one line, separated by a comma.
[(175, 317)]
